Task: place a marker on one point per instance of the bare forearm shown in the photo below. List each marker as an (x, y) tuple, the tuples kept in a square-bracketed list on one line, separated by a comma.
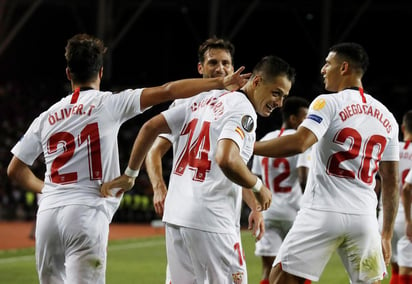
[(178, 89), (406, 200), (390, 204), (153, 161), (22, 174), (30, 182), (240, 176), (278, 147), (286, 146), (232, 165), (188, 87), (390, 196), (147, 135), (249, 198)]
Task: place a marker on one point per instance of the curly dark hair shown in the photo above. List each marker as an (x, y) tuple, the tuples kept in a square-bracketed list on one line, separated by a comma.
[(84, 57)]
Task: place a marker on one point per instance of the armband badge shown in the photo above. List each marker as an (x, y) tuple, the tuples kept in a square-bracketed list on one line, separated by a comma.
[(247, 123)]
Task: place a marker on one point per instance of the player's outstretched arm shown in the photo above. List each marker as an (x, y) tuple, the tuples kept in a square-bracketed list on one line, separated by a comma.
[(190, 87), (287, 145), (144, 140)]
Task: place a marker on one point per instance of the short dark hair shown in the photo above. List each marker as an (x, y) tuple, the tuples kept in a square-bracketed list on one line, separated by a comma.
[(272, 66), (215, 43), (352, 52), (292, 105), (84, 57)]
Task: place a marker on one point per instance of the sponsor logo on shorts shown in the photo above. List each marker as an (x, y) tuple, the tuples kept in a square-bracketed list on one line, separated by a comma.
[(237, 277)]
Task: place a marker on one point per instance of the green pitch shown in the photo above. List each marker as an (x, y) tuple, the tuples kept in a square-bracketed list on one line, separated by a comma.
[(143, 261)]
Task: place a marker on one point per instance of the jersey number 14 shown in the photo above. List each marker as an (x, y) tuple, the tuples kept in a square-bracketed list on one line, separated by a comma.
[(195, 153)]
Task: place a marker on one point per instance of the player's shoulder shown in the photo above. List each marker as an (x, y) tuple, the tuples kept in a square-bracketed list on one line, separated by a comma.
[(56, 105), (237, 100), (378, 103), (323, 101)]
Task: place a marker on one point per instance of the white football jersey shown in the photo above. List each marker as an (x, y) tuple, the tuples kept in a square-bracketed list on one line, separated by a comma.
[(78, 136), (405, 164), (408, 177), (200, 196), (280, 175), (355, 132), (405, 172)]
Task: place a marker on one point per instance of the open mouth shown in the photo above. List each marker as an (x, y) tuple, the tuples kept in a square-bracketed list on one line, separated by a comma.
[(270, 107)]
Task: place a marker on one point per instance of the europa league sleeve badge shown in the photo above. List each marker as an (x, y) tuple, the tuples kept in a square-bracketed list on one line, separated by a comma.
[(248, 123)]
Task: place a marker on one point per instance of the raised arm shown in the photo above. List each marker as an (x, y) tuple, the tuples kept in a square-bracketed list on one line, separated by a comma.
[(144, 140), (189, 87)]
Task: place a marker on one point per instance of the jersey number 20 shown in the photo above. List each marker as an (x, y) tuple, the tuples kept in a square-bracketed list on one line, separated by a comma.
[(375, 143)]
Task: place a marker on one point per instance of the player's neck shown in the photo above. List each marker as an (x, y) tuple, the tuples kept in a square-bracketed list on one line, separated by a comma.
[(287, 126), (86, 86), (407, 137)]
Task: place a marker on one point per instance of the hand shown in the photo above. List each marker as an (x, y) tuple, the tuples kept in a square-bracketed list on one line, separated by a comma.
[(264, 197), (256, 224), (236, 80), (387, 250), (124, 182), (159, 197)]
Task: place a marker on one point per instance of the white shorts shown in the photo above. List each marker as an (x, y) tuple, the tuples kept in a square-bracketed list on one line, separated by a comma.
[(196, 256), (275, 233), (404, 252), (315, 235), (71, 244)]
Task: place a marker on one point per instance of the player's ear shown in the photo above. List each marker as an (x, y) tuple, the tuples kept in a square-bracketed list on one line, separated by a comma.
[(200, 68), (101, 73), (257, 80), (344, 67), (69, 77)]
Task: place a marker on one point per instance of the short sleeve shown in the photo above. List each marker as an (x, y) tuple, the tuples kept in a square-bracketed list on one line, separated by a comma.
[(29, 147)]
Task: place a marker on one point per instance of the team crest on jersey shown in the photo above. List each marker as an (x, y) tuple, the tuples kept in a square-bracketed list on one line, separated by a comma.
[(247, 123), (237, 277), (319, 104)]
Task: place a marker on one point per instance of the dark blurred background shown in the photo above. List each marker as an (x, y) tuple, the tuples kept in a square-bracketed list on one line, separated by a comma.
[(154, 41)]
